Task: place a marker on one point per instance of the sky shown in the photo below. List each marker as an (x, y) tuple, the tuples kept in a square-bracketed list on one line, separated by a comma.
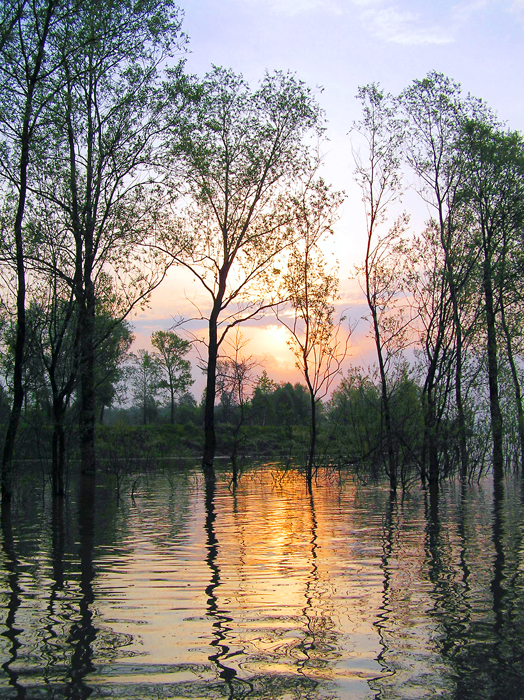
[(334, 46)]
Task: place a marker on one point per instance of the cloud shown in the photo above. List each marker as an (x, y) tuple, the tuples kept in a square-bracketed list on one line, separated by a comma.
[(403, 27), (397, 23), (292, 8)]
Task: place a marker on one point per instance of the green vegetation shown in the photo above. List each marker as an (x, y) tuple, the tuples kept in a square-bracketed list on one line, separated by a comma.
[(114, 168)]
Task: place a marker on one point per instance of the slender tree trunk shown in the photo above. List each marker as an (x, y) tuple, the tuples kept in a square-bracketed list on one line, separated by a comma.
[(445, 236), (392, 467), (172, 416), (514, 376), (431, 430), (58, 466), (518, 394), (86, 418), (312, 438), (209, 407), (494, 400), (18, 389), (461, 421)]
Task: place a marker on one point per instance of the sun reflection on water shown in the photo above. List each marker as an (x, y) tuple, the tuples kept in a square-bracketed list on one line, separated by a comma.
[(264, 590)]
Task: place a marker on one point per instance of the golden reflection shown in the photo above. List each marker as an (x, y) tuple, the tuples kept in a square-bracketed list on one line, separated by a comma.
[(267, 590)]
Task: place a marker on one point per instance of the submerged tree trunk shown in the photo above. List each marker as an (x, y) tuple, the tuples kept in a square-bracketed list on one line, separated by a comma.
[(391, 462), (210, 440), (87, 416), (312, 438), (209, 406), (58, 466), (494, 400), (514, 376)]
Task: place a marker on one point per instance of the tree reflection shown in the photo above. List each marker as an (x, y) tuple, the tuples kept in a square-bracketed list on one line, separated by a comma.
[(83, 632), (50, 649), (309, 643), (237, 687), (386, 608), (14, 600)]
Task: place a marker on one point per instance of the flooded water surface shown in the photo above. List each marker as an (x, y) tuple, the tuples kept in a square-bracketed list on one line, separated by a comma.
[(263, 590)]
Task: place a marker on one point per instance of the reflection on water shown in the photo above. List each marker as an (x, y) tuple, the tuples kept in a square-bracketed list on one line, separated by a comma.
[(263, 590)]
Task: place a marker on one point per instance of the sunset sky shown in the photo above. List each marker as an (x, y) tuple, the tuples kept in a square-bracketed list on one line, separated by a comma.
[(335, 46)]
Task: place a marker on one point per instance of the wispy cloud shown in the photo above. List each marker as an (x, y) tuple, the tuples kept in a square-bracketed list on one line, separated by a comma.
[(407, 22), (403, 27), (396, 23), (516, 8), (292, 8)]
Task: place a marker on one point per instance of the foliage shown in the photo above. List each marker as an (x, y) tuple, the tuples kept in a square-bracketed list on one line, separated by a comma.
[(177, 371), (240, 149)]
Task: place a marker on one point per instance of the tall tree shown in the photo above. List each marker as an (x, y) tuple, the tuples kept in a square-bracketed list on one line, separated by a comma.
[(240, 150), (26, 65), (378, 174), (435, 111), (101, 174), (493, 193), (312, 290)]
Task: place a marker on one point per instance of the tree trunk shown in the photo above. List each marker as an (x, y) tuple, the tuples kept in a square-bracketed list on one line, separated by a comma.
[(516, 381), (209, 407), (494, 401), (86, 418), (312, 440), (453, 293), (18, 389), (431, 436), (58, 467), (391, 462)]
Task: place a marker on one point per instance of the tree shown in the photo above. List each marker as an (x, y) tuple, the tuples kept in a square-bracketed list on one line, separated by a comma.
[(177, 371), (435, 111), (101, 178), (234, 382), (26, 64), (493, 193), (261, 402), (311, 290), (379, 178), (240, 150), (146, 376)]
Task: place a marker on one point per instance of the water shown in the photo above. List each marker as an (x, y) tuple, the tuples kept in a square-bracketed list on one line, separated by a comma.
[(265, 591)]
